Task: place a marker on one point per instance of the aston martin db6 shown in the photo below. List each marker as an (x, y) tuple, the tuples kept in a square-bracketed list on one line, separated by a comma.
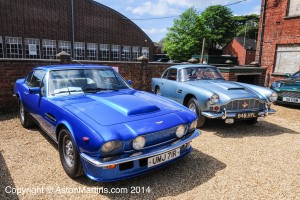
[(204, 91), (103, 127)]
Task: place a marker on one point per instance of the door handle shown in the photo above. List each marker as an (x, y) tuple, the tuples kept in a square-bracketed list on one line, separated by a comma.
[(162, 83), (179, 91), (26, 93)]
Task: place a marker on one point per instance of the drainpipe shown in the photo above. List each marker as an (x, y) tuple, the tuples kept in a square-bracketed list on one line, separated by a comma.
[(262, 32), (73, 29)]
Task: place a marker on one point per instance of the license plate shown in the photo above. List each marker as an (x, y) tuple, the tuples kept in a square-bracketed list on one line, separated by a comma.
[(246, 115), (164, 157), (288, 99)]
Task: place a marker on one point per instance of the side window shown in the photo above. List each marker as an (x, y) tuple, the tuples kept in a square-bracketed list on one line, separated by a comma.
[(29, 77), (37, 77), (172, 75), (165, 74)]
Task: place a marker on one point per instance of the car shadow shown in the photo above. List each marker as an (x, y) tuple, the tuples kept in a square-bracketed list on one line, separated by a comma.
[(6, 181), (292, 106), (5, 117), (242, 129), (179, 177)]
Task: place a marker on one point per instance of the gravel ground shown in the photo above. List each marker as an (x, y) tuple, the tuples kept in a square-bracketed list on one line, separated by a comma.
[(237, 161)]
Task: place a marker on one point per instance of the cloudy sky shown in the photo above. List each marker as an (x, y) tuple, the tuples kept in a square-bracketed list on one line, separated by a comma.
[(145, 13)]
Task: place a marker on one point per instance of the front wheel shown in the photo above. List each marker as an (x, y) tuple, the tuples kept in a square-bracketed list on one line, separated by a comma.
[(193, 105), (25, 118), (69, 155), (157, 91)]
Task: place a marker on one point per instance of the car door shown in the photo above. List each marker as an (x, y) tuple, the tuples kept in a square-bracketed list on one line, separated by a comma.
[(168, 81)]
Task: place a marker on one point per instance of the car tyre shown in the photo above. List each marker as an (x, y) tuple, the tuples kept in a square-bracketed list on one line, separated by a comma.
[(69, 155), (193, 105), (24, 116), (157, 91)]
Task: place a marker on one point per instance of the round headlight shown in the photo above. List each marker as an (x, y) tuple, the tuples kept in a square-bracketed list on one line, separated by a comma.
[(180, 131), (194, 125), (214, 99), (276, 84), (109, 146), (139, 143), (273, 97)]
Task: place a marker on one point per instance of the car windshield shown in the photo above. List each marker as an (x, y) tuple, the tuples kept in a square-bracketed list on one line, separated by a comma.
[(200, 73), (296, 75), (79, 81)]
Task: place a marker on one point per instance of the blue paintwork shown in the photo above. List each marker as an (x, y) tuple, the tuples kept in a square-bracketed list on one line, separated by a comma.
[(105, 116), (182, 89)]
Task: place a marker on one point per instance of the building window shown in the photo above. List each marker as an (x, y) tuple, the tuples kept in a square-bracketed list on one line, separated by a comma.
[(92, 49), (14, 47), (64, 46), (145, 51), (115, 52), (294, 8), (135, 53), (32, 48), (49, 49), (287, 59), (104, 52), (1, 48), (126, 53), (79, 51)]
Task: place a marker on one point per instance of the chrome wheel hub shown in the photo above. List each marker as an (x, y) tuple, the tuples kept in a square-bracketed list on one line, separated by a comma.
[(22, 113), (192, 107), (68, 152)]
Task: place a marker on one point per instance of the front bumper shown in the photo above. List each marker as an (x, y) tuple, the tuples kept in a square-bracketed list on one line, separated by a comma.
[(224, 114), (98, 169)]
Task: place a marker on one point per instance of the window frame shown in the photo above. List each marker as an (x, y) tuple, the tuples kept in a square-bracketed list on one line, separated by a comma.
[(29, 41), (18, 47), (46, 43)]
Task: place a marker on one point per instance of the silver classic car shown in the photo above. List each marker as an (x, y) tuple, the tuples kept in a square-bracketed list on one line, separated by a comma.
[(203, 90)]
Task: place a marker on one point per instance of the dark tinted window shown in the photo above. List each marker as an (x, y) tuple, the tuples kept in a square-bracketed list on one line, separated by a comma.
[(172, 75), (28, 79), (37, 78), (165, 74)]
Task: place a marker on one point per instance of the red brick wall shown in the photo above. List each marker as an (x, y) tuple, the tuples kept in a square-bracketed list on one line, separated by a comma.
[(139, 73), (279, 29), (234, 48)]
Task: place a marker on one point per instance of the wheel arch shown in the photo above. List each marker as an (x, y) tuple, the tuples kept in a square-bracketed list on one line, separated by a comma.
[(187, 98)]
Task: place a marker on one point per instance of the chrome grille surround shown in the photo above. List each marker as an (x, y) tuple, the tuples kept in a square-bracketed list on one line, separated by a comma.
[(289, 94), (243, 105)]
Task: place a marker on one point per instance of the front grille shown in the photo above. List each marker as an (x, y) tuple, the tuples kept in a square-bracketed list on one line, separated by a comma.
[(155, 138), (243, 104), (290, 94)]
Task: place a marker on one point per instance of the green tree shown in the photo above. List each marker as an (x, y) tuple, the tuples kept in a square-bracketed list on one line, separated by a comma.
[(252, 25), (185, 37), (220, 25)]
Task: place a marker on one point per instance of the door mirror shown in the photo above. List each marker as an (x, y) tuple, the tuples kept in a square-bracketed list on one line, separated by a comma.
[(34, 90), (129, 82)]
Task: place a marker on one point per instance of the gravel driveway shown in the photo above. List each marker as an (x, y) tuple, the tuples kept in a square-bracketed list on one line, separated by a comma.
[(237, 161)]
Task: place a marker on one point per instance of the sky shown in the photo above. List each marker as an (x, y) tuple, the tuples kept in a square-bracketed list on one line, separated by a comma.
[(144, 12)]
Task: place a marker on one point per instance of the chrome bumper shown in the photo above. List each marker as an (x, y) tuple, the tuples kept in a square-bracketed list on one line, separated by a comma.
[(98, 163), (224, 114)]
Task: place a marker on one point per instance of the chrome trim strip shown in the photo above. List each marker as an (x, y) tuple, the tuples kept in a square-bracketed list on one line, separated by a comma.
[(99, 163), (225, 114)]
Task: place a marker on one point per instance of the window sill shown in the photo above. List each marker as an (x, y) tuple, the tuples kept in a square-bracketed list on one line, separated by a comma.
[(292, 17)]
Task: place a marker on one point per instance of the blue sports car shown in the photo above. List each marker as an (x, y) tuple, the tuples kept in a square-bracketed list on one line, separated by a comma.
[(204, 91), (103, 127)]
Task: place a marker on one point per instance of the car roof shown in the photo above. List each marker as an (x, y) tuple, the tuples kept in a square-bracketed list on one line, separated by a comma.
[(190, 65), (72, 66)]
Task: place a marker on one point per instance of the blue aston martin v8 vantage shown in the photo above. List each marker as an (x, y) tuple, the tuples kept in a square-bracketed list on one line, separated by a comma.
[(103, 127)]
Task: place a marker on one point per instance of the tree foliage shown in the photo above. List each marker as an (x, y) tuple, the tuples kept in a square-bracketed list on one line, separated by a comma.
[(252, 25), (184, 38), (219, 24)]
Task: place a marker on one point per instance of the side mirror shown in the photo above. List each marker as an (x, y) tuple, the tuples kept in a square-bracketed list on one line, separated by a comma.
[(129, 82), (287, 75), (34, 90)]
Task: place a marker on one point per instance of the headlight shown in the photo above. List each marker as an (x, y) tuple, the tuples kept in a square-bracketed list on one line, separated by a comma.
[(181, 130), (193, 126), (214, 99), (273, 97), (139, 143), (109, 146), (276, 84)]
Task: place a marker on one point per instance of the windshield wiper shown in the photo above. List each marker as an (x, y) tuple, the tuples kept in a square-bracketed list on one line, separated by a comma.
[(66, 91), (95, 90)]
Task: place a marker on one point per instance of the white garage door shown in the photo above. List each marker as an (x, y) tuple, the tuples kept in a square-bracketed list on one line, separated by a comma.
[(287, 58)]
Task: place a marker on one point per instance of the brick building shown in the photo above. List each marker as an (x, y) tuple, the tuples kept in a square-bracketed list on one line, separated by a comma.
[(38, 29), (278, 45), (244, 50)]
